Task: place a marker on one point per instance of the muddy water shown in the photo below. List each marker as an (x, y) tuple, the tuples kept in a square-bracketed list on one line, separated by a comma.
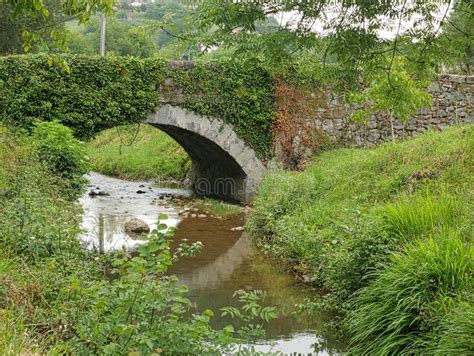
[(228, 261)]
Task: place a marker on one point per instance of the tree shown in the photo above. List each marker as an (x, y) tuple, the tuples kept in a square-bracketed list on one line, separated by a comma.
[(14, 30), (357, 33), (122, 38), (36, 22), (341, 42), (457, 40)]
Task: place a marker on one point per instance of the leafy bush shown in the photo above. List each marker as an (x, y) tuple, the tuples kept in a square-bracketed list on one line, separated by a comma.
[(59, 149), (35, 219), (397, 313), (62, 153)]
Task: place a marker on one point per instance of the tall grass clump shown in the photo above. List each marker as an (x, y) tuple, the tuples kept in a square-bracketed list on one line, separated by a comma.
[(410, 216), (456, 330), (14, 336), (409, 297)]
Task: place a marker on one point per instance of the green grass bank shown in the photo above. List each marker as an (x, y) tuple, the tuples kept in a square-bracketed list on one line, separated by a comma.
[(58, 298), (147, 154), (385, 234)]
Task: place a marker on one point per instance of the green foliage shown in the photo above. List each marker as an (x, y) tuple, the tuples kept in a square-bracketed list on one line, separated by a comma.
[(457, 42), (343, 43), (56, 297), (397, 94), (121, 39), (244, 97), (31, 199), (400, 310), (17, 32), (425, 213), (59, 149), (340, 220), (91, 94), (456, 331), (42, 21), (251, 314), (152, 154), (139, 311), (13, 336)]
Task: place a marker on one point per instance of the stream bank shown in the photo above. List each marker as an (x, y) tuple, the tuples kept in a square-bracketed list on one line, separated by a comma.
[(228, 261)]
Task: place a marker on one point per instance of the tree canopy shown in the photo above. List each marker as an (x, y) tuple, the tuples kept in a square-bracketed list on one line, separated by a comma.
[(28, 23)]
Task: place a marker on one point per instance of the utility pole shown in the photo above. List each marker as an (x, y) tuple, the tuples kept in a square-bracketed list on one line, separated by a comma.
[(102, 34)]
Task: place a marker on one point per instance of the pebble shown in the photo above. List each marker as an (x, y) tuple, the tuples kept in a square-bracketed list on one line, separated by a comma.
[(202, 216), (237, 228), (193, 215)]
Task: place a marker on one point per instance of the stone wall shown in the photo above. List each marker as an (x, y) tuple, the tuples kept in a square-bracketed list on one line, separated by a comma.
[(452, 103)]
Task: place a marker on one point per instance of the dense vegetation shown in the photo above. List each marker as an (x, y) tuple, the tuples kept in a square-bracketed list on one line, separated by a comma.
[(144, 154), (57, 297), (385, 234), (90, 94)]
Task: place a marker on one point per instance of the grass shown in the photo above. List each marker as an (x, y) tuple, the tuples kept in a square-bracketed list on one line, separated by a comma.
[(153, 154), (58, 298), (399, 312), (341, 221)]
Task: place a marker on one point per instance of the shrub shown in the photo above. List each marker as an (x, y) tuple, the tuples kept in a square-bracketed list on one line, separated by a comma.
[(59, 149), (62, 153), (399, 310), (36, 221)]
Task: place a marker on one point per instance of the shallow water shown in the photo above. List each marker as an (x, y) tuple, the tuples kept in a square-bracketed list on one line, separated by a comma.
[(227, 262)]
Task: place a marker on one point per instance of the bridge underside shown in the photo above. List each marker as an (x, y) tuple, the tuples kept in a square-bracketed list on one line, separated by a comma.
[(214, 172), (223, 166)]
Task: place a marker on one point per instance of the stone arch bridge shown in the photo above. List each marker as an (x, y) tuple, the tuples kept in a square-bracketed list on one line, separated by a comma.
[(223, 165), (241, 130)]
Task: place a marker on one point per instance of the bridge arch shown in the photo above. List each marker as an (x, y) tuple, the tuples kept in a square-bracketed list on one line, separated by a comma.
[(223, 165)]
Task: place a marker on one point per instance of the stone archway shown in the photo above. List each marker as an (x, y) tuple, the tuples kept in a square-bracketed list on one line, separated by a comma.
[(223, 165)]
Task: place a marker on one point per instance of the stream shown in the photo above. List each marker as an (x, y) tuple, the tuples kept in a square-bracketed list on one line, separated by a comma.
[(228, 261)]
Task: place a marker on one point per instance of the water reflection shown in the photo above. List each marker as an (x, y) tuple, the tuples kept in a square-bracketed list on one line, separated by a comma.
[(228, 261), (105, 215)]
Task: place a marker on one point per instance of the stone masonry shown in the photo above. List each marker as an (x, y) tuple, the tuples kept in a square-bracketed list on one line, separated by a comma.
[(452, 103)]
